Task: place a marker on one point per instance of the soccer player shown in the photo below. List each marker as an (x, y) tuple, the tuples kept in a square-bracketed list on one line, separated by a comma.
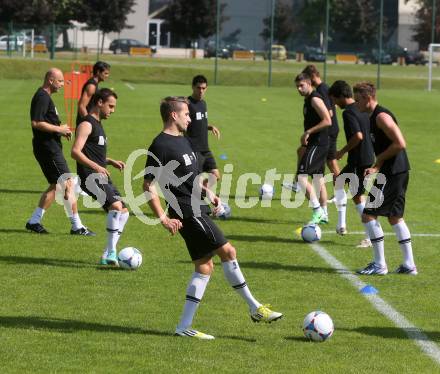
[(90, 152), (101, 71), (172, 163), (47, 132), (359, 148), (314, 142), (197, 131), (392, 161)]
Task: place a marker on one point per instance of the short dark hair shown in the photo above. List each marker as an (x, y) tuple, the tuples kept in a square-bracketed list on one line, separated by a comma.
[(340, 89), (171, 104), (103, 94), (199, 79), (311, 71), (303, 77), (365, 89), (100, 66)]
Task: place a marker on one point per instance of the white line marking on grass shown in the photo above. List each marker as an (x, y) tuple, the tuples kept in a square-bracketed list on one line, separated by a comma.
[(130, 86), (385, 233), (426, 345)]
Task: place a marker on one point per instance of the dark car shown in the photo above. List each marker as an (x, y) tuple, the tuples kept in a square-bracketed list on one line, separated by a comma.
[(373, 57), (118, 46), (314, 54), (415, 58), (224, 51)]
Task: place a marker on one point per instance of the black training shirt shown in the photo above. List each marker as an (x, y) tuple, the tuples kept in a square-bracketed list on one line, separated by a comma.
[(311, 119), (176, 179), (43, 110), (355, 121), (93, 82), (322, 89), (197, 131)]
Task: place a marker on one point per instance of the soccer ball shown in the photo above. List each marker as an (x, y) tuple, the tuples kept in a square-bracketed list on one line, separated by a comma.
[(318, 326), (311, 233), (266, 192), (224, 212), (130, 258)]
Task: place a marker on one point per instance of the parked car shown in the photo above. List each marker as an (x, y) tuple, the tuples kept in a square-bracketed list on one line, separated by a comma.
[(279, 52), (314, 54), (209, 50), (118, 46), (415, 58), (15, 42), (373, 57)]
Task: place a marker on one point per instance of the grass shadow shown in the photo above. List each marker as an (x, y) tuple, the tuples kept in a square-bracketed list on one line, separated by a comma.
[(295, 268), (14, 231), (21, 260), (271, 239), (5, 190), (263, 220), (396, 333)]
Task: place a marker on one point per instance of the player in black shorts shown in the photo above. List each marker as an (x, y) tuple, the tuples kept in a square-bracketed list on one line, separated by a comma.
[(101, 71), (391, 161), (197, 131), (48, 151), (315, 143), (172, 163), (360, 154), (90, 152)]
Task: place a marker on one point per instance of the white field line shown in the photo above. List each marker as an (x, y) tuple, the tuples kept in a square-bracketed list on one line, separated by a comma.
[(130, 86), (426, 345), (385, 233)]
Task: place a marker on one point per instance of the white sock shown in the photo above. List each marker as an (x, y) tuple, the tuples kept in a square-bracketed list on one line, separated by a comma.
[(37, 215), (122, 221), (360, 209), (113, 217), (324, 208), (341, 206), (235, 278), (76, 222), (404, 239), (194, 293), (314, 202), (375, 233)]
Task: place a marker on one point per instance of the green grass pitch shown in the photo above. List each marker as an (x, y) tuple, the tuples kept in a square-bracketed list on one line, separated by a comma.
[(60, 313)]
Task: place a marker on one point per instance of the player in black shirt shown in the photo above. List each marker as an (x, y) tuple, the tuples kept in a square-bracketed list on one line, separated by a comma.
[(90, 152), (47, 132), (315, 143), (101, 71), (172, 163), (360, 154), (333, 131), (391, 161), (197, 131)]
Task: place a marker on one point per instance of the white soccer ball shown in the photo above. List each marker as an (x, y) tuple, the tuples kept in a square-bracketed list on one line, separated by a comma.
[(318, 326), (311, 233), (224, 212), (266, 192), (130, 258)]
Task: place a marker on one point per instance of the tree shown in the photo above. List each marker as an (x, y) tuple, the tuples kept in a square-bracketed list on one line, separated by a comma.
[(423, 28), (284, 23), (191, 20)]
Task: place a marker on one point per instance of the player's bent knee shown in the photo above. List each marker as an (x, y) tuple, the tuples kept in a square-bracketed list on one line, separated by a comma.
[(117, 206)]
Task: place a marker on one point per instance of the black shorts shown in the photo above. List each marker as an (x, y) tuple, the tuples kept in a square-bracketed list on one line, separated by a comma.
[(332, 144), (313, 160), (393, 191), (106, 195), (53, 165), (206, 161), (201, 236), (359, 171)]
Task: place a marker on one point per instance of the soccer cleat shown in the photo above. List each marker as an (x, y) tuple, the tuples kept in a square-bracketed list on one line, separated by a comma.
[(84, 231), (264, 314), (103, 261), (341, 231), (292, 186), (332, 200), (373, 269), (365, 243), (36, 227), (324, 219), (402, 269), (317, 215), (189, 333), (111, 259)]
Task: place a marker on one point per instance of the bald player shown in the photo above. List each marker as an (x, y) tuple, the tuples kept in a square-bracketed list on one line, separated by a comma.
[(48, 151)]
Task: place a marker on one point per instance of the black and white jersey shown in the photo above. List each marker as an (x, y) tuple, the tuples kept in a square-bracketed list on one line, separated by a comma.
[(322, 89), (355, 121), (93, 82), (311, 119), (95, 147), (173, 164), (197, 131), (43, 110), (397, 164)]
